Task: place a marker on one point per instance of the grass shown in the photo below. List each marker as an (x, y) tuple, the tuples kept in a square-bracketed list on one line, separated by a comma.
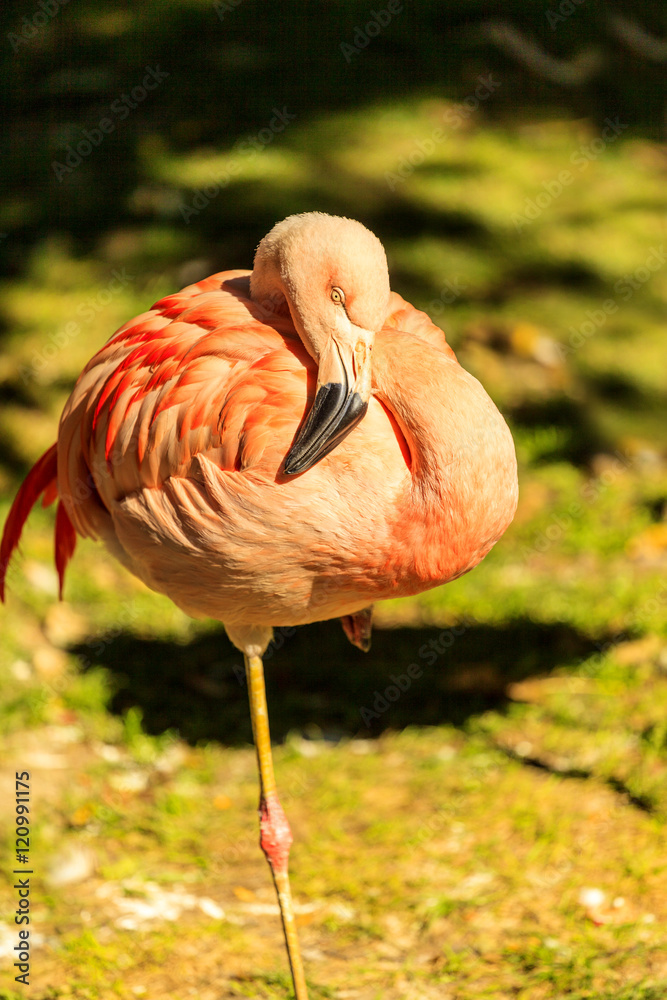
[(445, 849)]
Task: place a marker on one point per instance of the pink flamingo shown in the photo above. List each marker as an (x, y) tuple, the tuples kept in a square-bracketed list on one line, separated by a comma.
[(184, 448)]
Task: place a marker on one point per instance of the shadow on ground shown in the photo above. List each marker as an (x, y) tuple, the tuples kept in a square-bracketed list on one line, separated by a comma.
[(318, 684)]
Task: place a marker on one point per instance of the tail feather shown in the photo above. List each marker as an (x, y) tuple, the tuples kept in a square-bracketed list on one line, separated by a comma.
[(50, 493), (42, 478), (65, 543)]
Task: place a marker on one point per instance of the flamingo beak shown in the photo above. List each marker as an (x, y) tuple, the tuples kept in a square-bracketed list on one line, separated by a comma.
[(340, 402)]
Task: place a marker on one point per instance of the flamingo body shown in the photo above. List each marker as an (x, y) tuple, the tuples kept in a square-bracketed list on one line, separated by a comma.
[(171, 445)]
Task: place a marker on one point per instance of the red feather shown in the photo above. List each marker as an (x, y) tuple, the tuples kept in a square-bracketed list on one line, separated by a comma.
[(65, 543), (40, 478)]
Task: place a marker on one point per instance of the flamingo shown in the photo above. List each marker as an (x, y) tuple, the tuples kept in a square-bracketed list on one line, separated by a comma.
[(279, 447)]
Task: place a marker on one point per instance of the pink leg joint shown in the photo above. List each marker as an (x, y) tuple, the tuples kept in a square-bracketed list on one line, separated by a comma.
[(275, 835)]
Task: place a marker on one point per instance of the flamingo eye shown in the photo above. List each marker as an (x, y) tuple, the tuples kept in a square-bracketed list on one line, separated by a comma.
[(338, 296)]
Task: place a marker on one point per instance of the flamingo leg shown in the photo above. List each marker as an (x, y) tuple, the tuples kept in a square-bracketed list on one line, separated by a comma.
[(275, 834)]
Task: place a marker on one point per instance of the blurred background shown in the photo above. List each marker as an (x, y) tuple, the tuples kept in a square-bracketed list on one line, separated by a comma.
[(498, 829)]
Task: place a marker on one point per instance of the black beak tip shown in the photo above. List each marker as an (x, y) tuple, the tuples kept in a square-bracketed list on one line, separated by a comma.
[(330, 420), (293, 467)]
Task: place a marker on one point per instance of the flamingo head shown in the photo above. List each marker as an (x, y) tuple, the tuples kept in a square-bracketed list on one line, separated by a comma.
[(332, 275)]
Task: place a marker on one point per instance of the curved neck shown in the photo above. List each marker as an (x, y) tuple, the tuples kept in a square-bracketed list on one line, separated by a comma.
[(464, 486)]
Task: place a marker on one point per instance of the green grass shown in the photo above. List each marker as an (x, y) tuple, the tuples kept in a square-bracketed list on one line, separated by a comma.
[(442, 851)]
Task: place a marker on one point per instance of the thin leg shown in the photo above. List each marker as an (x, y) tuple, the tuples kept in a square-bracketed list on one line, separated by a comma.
[(275, 834)]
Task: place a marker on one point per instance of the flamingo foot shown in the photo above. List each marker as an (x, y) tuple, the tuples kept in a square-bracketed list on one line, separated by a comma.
[(358, 628)]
